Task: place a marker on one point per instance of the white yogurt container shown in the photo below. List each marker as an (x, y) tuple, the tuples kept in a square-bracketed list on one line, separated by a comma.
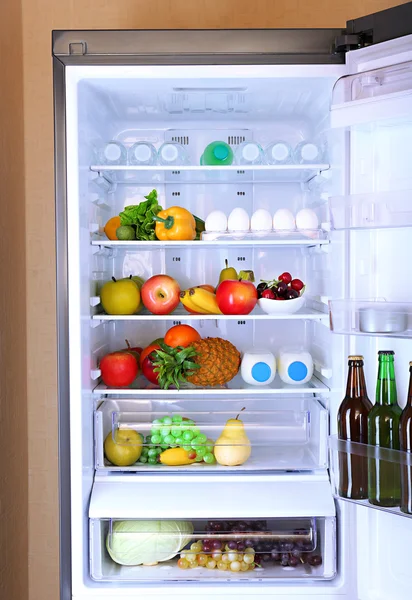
[(295, 366), (258, 367)]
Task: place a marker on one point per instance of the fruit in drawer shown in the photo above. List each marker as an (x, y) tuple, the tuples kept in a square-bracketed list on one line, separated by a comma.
[(124, 448), (236, 297), (161, 294), (174, 457), (208, 362), (227, 272), (120, 297), (119, 369), (181, 335), (233, 447)]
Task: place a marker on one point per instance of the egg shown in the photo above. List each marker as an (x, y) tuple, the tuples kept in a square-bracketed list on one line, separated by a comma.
[(283, 219), (261, 220), (238, 220), (307, 219), (216, 221)]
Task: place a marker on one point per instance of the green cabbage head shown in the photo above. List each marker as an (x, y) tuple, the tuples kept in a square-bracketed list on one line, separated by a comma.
[(147, 542)]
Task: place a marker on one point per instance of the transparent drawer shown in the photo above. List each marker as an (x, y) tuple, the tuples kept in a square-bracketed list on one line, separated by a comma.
[(371, 476), (201, 550), (371, 317), (292, 435)]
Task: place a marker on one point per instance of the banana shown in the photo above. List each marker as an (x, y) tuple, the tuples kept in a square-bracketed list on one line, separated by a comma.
[(205, 301), (186, 300)]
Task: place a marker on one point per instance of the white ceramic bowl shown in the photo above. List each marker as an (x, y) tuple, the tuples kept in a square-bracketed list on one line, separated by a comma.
[(281, 307)]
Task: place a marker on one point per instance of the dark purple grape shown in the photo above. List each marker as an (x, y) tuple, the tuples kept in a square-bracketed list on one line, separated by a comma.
[(307, 547), (276, 547), (266, 557), (281, 288), (314, 560), (293, 561), (260, 547), (249, 543), (276, 556), (284, 560), (296, 553), (216, 545), (291, 294), (241, 546), (242, 527), (258, 559), (287, 546), (207, 545), (232, 545)]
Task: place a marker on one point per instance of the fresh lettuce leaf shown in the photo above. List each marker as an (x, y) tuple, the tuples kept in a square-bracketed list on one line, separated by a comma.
[(141, 215)]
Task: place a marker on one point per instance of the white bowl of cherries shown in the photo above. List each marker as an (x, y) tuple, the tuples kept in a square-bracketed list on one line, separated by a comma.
[(283, 296)]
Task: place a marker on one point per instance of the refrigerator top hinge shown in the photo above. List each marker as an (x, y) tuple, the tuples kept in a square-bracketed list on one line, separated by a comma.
[(351, 41), (78, 48)]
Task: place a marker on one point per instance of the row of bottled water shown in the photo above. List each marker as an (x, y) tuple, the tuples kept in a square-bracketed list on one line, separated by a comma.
[(215, 154)]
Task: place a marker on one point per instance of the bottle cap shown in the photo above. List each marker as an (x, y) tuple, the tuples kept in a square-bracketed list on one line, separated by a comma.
[(355, 357), (387, 352), (221, 152)]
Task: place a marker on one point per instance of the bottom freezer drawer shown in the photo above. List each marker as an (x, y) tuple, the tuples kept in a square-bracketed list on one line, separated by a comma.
[(277, 549)]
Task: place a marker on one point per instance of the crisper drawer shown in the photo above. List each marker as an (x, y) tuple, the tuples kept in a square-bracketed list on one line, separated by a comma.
[(206, 528), (132, 435)]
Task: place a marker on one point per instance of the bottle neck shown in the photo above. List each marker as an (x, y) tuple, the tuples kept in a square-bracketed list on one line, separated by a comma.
[(386, 385), (409, 399), (356, 386)]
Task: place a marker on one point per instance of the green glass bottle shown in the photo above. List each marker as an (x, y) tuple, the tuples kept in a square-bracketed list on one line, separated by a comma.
[(217, 154), (384, 485)]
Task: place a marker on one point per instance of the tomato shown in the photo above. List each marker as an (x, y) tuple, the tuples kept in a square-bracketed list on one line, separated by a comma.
[(181, 335), (148, 370), (147, 351)]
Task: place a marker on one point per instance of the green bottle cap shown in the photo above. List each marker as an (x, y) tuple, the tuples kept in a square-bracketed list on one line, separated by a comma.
[(220, 152)]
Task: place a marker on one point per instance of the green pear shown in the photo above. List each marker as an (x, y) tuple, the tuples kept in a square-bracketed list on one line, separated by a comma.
[(232, 446), (227, 272)]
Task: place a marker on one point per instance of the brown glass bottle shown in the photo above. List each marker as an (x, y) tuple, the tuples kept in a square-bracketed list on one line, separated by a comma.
[(353, 426), (405, 441)]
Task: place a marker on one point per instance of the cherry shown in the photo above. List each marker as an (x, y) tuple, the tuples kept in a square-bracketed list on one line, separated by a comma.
[(291, 294), (281, 288), (297, 284), (268, 294), (286, 277)]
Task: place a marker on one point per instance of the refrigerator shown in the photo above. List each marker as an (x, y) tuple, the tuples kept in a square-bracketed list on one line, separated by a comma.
[(349, 91)]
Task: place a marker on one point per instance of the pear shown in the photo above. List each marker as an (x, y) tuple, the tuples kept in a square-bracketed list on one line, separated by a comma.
[(232, 446), (227, 272)]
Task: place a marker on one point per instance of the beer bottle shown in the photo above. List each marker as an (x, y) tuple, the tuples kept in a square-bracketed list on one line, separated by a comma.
[(353, 427), (383, 430), (405, 440)]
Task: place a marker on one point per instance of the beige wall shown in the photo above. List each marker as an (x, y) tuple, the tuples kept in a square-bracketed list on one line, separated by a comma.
[(32, 231)]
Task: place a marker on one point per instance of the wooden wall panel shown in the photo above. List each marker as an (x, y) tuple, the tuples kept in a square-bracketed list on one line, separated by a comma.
[(39, 18), (13, 393)]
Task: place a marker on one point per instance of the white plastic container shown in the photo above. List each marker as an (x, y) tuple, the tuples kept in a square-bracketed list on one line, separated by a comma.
[(258, 367), (295, 366)]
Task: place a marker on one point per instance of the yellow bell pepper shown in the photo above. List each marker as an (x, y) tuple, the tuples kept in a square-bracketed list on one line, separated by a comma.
[(175, 223)]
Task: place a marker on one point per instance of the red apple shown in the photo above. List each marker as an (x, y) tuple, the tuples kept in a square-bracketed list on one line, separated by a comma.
[(160, 294), (135, 350), (236, 297), (119, 369), (148, 370)]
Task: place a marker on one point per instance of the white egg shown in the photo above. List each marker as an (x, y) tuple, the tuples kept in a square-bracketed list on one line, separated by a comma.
[(283, 219), (216, 221), (261, 220), (307, 219), (238, 220)]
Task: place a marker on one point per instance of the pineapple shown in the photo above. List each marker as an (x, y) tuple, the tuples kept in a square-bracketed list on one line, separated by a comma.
[(208, 362), (219, 362)]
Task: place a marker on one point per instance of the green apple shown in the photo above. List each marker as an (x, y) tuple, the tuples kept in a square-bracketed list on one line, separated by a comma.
[(125, 449), (120, 297)]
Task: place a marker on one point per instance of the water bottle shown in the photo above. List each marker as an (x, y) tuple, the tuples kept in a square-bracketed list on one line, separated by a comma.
[(142, 153), (278, 153), (171, 154), (112, 153), (217, 154), (307, 152), (249, 153)]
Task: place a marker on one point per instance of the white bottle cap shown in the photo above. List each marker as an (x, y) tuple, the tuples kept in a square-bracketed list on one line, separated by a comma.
[(309, 152), (142, 152), (280, 152), (169, 153), (250, 152), (112, 151)]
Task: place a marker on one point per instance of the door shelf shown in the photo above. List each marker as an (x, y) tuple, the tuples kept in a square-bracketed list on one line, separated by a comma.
[(304, 314), (371, 317), (115, 553), (235, 387), (290, 436), (356, 467), (209, 174), (371, 211)]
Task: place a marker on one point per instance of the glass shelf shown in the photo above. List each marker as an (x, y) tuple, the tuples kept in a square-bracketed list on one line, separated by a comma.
[(223, 242), (351, 464), (371, 211), (371, 317), (236, 386), (209, 174), (291, 436)]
